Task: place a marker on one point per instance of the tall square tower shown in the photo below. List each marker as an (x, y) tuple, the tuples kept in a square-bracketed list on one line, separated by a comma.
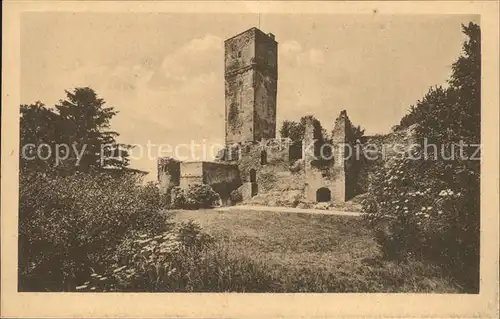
[(251, 76)]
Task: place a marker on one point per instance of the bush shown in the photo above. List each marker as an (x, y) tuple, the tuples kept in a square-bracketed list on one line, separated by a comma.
[(182, 259), (236, 196), (71, 225), (418, 213), (177, 197), (428, 206), (144, 262), (194, 197)]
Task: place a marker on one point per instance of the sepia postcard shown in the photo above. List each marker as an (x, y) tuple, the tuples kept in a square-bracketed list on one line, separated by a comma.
[(250, 159)]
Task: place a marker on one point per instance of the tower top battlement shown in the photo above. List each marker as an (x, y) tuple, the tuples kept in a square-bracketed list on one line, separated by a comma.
[(252, 29)]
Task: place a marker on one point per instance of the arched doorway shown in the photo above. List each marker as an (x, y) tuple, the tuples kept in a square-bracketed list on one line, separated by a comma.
[(323, 194), (253, 176)]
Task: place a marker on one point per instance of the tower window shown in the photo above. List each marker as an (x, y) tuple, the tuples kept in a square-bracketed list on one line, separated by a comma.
[(239, 54)]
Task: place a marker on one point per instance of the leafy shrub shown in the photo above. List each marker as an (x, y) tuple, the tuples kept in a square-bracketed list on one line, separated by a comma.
[(177, 197), (201, 196), (143, 262), (71, 225), (236, 196), (426, 204), (428, 210), (182, 259), (194, 197)]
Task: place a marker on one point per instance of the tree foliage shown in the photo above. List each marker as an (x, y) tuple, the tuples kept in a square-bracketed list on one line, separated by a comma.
[(195, 196), (70, 226), (357, 132), (81, 122), (426, 203), (452, 113), (295, 130)]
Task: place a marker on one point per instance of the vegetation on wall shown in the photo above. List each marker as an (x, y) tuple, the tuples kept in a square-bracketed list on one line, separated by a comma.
[(233, 119)]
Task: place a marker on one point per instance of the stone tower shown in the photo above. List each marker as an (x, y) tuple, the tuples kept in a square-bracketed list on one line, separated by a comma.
[(251, 75)]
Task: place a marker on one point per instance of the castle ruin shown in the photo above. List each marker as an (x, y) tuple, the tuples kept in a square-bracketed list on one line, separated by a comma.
[(254, 161)]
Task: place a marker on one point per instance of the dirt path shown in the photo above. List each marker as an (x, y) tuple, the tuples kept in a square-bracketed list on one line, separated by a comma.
[(287, 210)]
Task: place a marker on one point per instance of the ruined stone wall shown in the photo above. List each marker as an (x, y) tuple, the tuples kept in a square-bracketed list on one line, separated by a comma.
[(239, 51), (191, 173), (265, 80), (239, 107), (252, 157), (345, 160), (168, 173), (265, 106), (314, 178), (268, 164), (214, 173), (250, 87), (337, 173), (223, 178)]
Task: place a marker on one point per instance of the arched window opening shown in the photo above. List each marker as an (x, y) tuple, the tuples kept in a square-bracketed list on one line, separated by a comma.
[(323, 194)]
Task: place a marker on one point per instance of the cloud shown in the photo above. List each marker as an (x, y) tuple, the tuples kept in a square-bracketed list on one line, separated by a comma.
[(179, 96), (303, 81), (290, 47), (312, 57), (179, 100), (182, 98), (197, 57)]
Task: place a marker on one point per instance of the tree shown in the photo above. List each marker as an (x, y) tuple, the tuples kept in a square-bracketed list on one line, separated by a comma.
[(38, 126), (81, 123), (430, 207), (357, 132), (453, 113), (435, 97), (460, 114), (296, 130), (71, 226), (85, 119), (292, 130)]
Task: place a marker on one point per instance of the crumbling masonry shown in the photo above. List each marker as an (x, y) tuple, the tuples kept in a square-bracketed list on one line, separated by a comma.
[(251, 75)]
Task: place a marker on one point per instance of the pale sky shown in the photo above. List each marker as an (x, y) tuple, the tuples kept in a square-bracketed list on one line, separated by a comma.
[(164, 72)]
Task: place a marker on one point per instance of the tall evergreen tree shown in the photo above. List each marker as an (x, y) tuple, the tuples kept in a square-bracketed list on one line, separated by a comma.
[(81, 122)]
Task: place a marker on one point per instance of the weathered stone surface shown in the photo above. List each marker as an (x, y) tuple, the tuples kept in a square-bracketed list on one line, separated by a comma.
[(222, 177), (250, 87), (168, 171), (269, 175)]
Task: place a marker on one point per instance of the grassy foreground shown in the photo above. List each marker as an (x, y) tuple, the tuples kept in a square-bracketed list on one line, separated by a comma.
[(311, 253)]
